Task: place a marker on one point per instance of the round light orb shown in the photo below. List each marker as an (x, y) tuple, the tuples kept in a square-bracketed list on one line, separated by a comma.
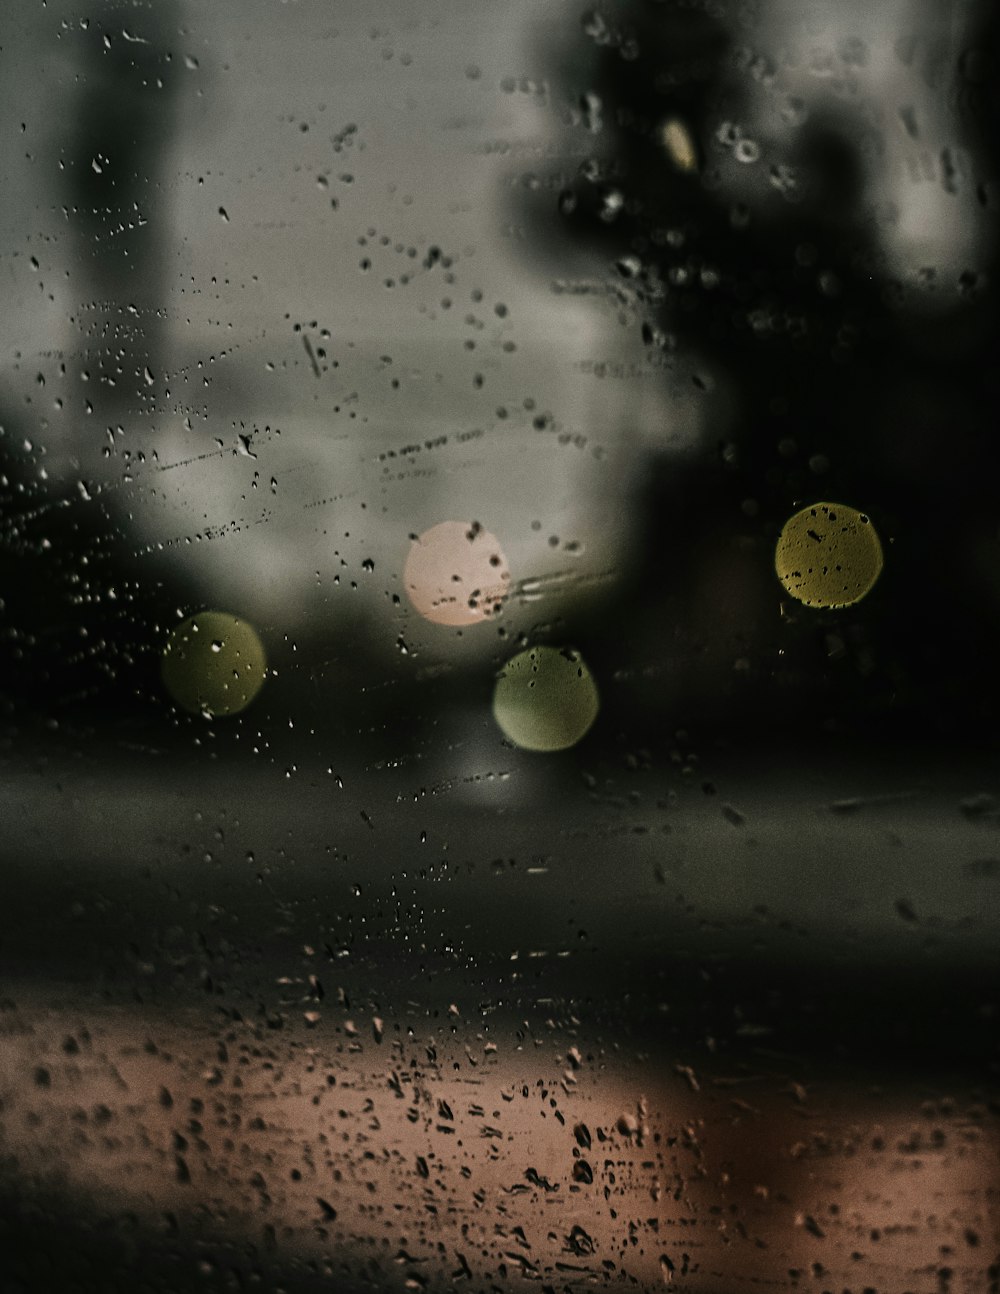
[(828, 555), (545, 699), (456, 574), (213, 664)]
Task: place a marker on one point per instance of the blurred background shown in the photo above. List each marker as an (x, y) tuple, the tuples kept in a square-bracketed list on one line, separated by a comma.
[(406, 341)]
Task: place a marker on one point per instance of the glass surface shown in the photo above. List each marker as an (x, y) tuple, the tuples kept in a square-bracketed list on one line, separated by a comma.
[(500, 587)]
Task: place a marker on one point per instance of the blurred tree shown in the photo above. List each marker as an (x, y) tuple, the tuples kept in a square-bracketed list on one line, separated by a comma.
[(80, 610), (826, 376)]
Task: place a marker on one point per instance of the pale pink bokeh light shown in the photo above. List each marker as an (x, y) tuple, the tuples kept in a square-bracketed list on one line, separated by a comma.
[(456, 573)]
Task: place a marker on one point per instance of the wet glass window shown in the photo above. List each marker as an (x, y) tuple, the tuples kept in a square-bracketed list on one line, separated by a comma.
[(499, 600)]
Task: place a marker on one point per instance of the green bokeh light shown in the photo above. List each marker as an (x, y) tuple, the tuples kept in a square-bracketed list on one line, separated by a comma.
[(213, 664), (545, 699)]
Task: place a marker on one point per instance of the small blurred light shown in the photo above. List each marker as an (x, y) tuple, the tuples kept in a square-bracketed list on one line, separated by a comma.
[(213, 664), (679, 145), (456, 574), (828, 555), (545, 699)]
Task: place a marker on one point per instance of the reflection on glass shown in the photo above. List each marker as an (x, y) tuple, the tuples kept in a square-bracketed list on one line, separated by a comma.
[(545, 699), (213, 664), (828, 555), (456, 573), (370, 996)]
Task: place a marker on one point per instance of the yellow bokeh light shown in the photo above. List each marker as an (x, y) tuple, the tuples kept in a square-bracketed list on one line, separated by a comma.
[(545, 699), (828, 555), (456, 574), (213, 664)]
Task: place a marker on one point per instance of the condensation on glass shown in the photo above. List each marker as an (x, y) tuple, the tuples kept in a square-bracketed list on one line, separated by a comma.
[(499, 595)]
